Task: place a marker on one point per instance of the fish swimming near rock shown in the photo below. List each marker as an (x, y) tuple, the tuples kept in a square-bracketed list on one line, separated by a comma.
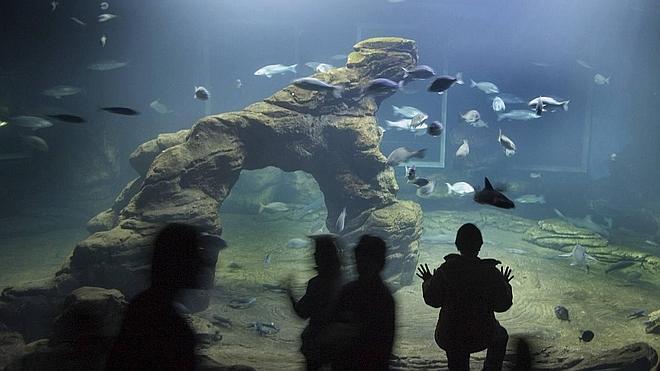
[(406, 111), (561, 313), (586, 223), (160, 107), (73, 119), (435, 129), (403, 154), (60, 91), (489, 196), (459, 188), (403, 124), (498, 105), (125, 111), (579, 257), (419, 72), (106, 65), (30, 122), (442, 83), (464, 149), (548, 101), (297, 243), (273, 207), (619, 265), (242, 303), (485, 86), (530, 199), (312, 83), (319, 67), (201, 93), (275, 69), (518, 115), (601, 80), (341, 221), (382, 86), (506, 142)]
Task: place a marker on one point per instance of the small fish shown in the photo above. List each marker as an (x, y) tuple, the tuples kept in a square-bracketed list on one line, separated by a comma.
[(106, 17), (264, 328), (103, 40), (312, 83), (382, 86), (426, 190), (637, 313), (159, 107), (297, 243), (561, 313), (583, 63), (403, 154), (107, 65), (341, 220), (267, 260), (420, 182), (221, 321), (517, 114), (535, 175), (498, 105), (275, 69), (60, 91), (601, 80), (406, 111), (586, 336), (490, 196), (104, 5), (651, 243), (541, 64), (411, 173), (242, 303), (619, 265), (485, 86), (435, 129), (30, 122), (77, 20), (238, 84), (274, 288), (464, 149), (459, 188), (419, 72), (418, 120), (506, 142), (613, 157), (201, 93), (53, 5), (36, 143), (121, 111), (530, 199), (273, 207), (442, 83), (547, 101), (68, 118), (3, 123), (471, 116)]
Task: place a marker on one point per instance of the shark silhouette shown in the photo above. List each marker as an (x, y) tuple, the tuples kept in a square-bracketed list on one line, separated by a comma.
[(490, 196)]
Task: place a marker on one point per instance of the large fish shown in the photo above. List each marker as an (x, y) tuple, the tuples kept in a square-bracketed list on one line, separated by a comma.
[(586, 223), (419, 72), (485, 86), (490, 196), (517, 114), (442, 83), (579, 256), (312, 83), (548, 101), (403, 154), (459, 188)]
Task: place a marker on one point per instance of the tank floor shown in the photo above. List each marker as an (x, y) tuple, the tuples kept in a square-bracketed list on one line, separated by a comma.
[(596, 301)]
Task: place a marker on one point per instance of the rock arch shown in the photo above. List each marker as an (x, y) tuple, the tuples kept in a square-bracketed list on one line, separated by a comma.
[(185, 176)]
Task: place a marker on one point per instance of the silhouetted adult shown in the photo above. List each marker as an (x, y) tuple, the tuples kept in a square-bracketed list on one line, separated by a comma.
[(366, 308), (317, 303), (154, 335), (469, 290)]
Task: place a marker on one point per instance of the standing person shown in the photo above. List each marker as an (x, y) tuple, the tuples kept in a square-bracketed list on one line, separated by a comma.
[(365, 314), (317, 303), (469, 290)]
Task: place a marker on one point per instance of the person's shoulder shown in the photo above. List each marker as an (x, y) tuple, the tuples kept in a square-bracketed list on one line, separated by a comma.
[(490, 262)]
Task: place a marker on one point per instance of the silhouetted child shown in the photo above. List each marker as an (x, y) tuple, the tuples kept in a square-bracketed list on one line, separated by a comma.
[(317, 303), (154, 336), (469, 290), (367, 308)]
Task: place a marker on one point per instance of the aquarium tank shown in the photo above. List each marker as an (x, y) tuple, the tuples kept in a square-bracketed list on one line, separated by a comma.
[(274, 126)]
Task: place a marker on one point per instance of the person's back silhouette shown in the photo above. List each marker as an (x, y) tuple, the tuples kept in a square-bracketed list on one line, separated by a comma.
[(367, 306), (468, 290), (154, 336), (318, 302)]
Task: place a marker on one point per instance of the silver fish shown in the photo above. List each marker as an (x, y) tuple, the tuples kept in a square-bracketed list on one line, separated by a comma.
[(36, 143), (60, 91), (506, 142), (107, 65), (485, 86), (548, 101), (601, 80), (463, 150), (498, 105), (297, 243), (273, 207), (275, 69), (103, 40), (531, 199), (30, 122), (406, 111), (77, 20), (418, 120), (403, 124), (403, 154), (106, 17), (583, 63), (517, 114), (586, 223), (341, 220)]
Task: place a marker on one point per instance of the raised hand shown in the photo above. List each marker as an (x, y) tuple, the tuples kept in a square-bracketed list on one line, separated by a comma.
[(506, 272), (424, 272)]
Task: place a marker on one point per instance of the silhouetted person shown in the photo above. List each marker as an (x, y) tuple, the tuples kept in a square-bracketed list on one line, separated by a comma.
[(367, 306), (154, 336), (469, 290), (318, 301)]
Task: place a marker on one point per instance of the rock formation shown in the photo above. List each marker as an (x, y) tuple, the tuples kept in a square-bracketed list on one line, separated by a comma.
[(185, 176)]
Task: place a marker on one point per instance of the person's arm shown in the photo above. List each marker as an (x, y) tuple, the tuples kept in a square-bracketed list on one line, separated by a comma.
[(502, 293), (433, 286), (306, 306)]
